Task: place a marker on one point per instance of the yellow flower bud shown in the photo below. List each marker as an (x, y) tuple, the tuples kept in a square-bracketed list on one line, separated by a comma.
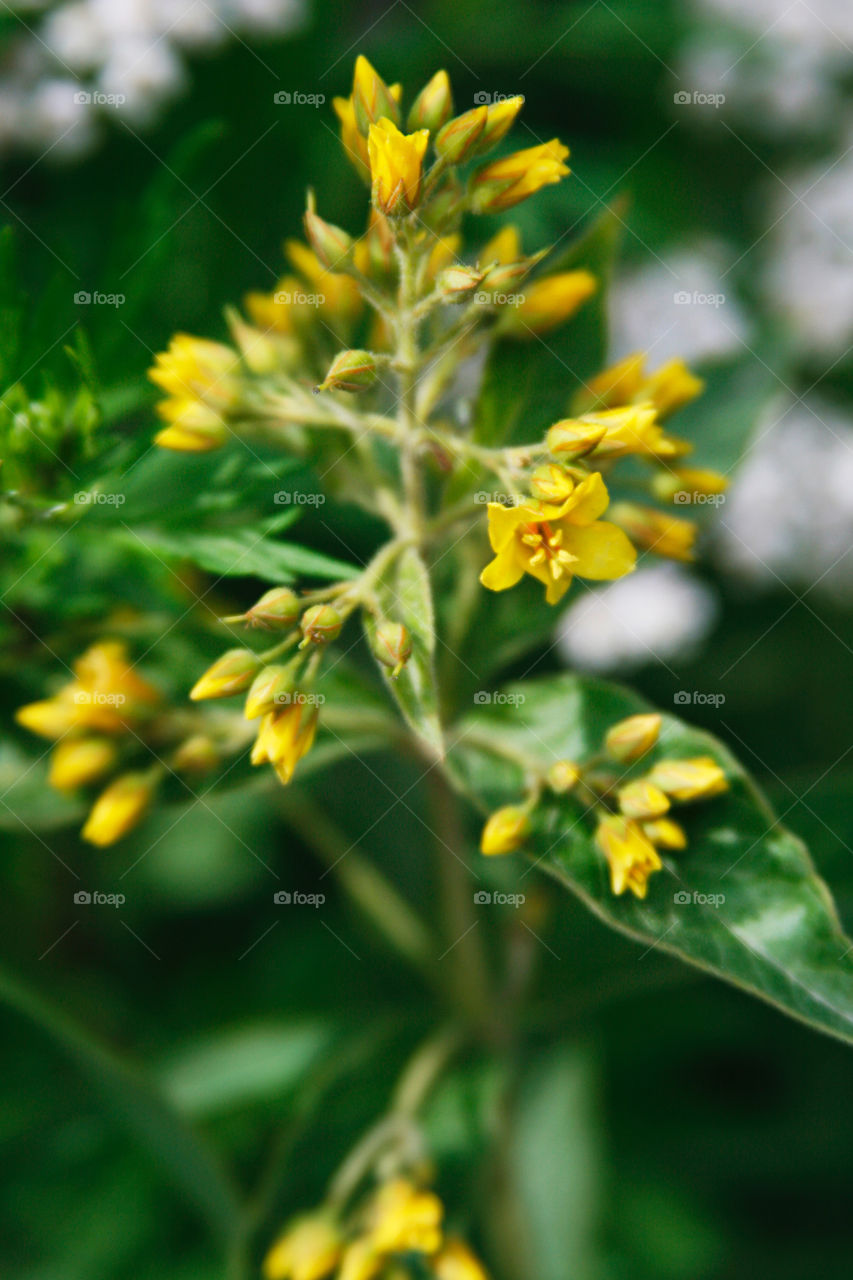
[(455, 1261), (575, 438), (665, 833), (551, 301), (671, 387), (656, 531), (513, 178), (630, 854), (631, 738), (331, 244), (459, 137), (79, 761), (396, 167), (279, 607), (551, 483), (392, 645), (503, 248), (310, 1249), (193, 427), (563, 776), (500, 117), (372, 99), (118, 809), (361, 1261), (285, 736), (688, 481), (457, 282), (405, 1219), (642, 799), (350, 371), (268, 687), (616, 386), (433, 105), (260, 353), (321, 624), (352, 141), (505, 831), (693, 779), (196, 754), (50, 718), (230, 674)]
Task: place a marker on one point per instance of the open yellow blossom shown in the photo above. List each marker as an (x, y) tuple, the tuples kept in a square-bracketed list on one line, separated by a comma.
[(553, 543), (455, 1261), (79, 761), (630, 854), (309, 1250), (513, 178), (404, 1217), (505, 831), (693, 779), (118, 809), (285, 736), (396, 167), (551, 301), (197, 369)]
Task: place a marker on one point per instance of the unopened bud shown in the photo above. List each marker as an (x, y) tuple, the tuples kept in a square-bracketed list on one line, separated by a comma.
[(268, 688), (633, 737), (693, 779), (665, 833), (372, 99), (230, 674), (320, 625), (505, 831), (563, 776), (279, 607), (331, 244), (196, 754), (459, 137), (350, 371), (642, 799), (574, 438), (458, 281), (392, 645), (192, 427), (79, 761), (551, 483), (433, 106), (118, 809)]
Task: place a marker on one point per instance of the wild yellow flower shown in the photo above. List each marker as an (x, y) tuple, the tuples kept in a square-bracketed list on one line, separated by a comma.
[(551, 301), (689, 480), (199, 377), (79, 761), (667, 389), (104, 695), (372, 98), (404, 1217), (694, 779), (612, 433), (632, 737), (310, 1249), (118, 809), (396, 167), (503, 248), (513, 178), (642, 799), (553, 543), (434, 104), (285, 736), (630, 854), (455, 1261), (505, 831)]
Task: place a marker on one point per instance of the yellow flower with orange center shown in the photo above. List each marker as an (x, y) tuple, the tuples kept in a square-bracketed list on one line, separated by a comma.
[(553, 543)]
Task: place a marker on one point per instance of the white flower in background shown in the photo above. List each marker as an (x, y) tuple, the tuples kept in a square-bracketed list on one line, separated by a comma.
[(658, 614), (679, 305), (789, 512), (126, 55), (808, 277)]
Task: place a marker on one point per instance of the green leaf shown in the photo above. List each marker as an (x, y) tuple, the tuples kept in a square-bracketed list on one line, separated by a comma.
[(244, 553), (180, 1152), (743, 901), (527, 384), (404, 594)]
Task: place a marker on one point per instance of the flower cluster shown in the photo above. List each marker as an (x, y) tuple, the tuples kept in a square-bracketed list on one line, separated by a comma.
[(633, 812), (397, 1231)]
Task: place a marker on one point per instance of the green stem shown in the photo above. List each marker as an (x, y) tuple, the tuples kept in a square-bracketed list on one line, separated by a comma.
[(406, 364)]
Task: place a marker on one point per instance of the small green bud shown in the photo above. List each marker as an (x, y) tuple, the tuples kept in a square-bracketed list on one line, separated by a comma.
[(279, 607), (433, 106), (392, 645), (350, 371), (459, 137), (321, 624), (331, 244)]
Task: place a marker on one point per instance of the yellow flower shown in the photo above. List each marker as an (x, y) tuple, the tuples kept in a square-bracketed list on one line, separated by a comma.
[(665, 833), (360, 1261), (667, 389), (193, 427), (455, 1261), (503, 248), (309, 1250), (505, 831), (80, 761), (563, 775), (285, 736), (612, 433), (50, 718), (351, 139), (693, 779), (273, 312), (551, 301), (632, 737), (104, 695), (232, 673), (445, 250), (396, 167), (671, 387), (689, 481), (630, 855), (552, 543), (197, 369), (403, 1218), (513, 178), (642, 800), (118, 809), (434, 104), (656, 531), (372, 99)]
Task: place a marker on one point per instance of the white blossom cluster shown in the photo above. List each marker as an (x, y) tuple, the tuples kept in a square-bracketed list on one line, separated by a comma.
[(71, 64)]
